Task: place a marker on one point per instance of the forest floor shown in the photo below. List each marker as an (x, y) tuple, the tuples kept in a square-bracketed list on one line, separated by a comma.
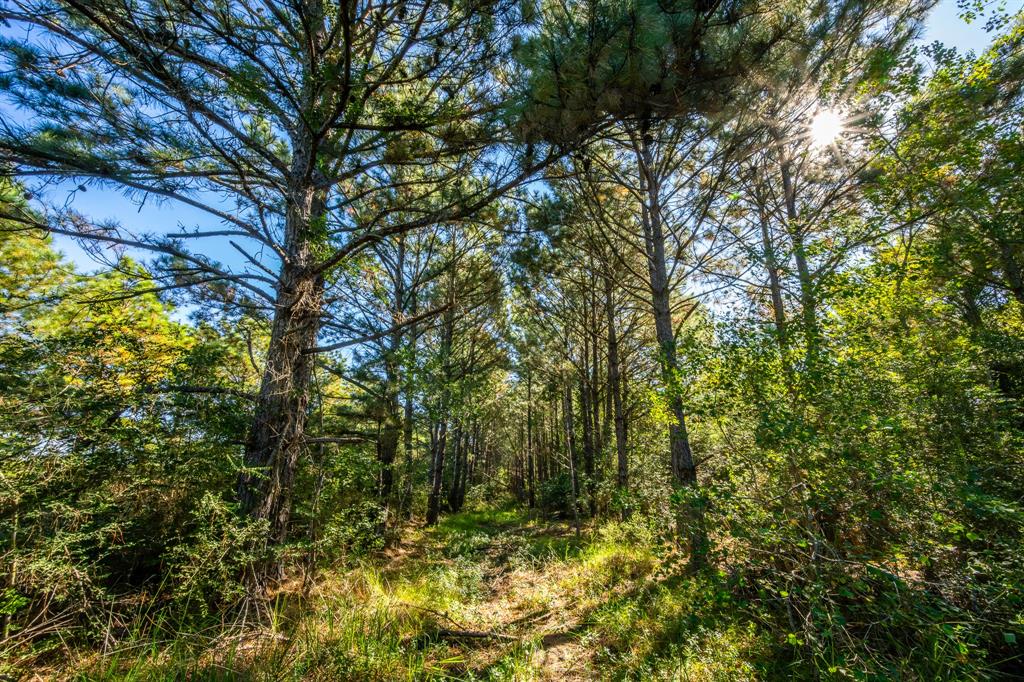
[(488, 594)]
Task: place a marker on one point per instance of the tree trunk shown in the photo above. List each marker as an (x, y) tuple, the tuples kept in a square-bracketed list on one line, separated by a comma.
[(529, 443), (681, 457), (595, 404), (808, 301), (276, 434), (775, 288), (1011, 269), (684, 470), (437, 461), (407, 422), (390, 435), (437, 473), (457, 462), (588, 437), (570, 441), (622, 478)]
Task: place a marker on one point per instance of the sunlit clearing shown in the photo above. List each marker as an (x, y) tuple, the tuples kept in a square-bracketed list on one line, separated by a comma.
[(825, 128)]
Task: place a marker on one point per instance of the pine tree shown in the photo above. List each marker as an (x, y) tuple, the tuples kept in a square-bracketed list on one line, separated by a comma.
[(281, 122)]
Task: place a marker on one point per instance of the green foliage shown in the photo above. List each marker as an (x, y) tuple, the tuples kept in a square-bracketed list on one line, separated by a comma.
[(555, 495), (854, 402), (638, 60), (217, 553)]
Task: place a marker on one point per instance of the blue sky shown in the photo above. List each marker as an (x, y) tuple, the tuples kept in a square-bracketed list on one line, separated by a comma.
[(943, 25), (946, 26)]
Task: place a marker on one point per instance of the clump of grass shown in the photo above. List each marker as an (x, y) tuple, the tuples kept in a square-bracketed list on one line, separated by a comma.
[(678, 630)]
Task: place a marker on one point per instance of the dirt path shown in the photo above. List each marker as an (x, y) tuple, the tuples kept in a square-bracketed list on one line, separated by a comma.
[(525, 596)]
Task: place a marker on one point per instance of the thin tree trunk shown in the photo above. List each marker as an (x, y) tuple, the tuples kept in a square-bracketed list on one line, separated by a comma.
[(437, 469), (570, 441), (588, 438), (681, 457), (808, 300), (684, 470), (407, 421), (457, 461), (437, 473), (529, 442), (390, 435), (622, 478), (775, 287)]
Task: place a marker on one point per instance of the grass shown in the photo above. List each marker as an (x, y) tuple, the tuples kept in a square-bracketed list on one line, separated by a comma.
[(567, 608), (610, 605)]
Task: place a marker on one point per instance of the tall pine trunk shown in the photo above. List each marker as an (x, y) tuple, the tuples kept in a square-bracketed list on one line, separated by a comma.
[(408, 416), (681, 457), (771, 265), (683, 467), (530, 480), (437, 472), (277, 431), (585, 417), (622, 477), (570, 445)]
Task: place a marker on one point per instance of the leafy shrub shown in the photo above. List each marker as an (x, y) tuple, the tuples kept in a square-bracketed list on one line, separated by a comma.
[(209, 568), (554, 495)]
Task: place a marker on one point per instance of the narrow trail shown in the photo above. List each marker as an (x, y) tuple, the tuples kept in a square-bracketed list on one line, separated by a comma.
[(537, 586)]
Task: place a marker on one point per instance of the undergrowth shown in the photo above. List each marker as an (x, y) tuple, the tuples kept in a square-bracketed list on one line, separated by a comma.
[(614, 604)]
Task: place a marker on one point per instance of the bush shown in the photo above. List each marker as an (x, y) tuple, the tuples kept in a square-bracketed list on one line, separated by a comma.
[(554, 495), (208, 569)]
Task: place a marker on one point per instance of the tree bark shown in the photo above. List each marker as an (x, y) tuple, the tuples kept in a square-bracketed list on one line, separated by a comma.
[(454, 503), (588, 439), (390, 435), (684, 470), (681, 457), (276, 434), (407, 421), (437, 472), (570, 442), (771, 265), (622, 478), (531, 485)]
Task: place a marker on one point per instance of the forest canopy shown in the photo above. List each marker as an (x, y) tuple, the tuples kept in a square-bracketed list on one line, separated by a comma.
[(510, 339)]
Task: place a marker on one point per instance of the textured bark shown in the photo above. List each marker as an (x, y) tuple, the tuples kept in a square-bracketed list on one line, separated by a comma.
[(570, 442), (530, 482), (681, 457), (439, 442), (684, 470), (275, 439), (276, 435), (622, 473)]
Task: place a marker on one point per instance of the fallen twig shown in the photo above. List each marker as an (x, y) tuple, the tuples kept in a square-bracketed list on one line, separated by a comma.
[(474, 634)]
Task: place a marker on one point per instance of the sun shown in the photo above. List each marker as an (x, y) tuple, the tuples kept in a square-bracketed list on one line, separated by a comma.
[(825, 127)]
